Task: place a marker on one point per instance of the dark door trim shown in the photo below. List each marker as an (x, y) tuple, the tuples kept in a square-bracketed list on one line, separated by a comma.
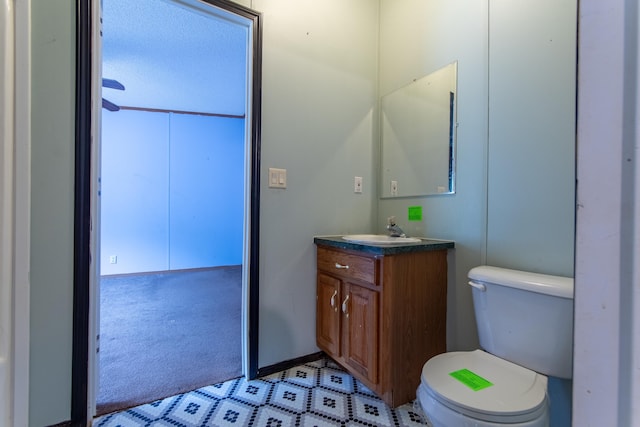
[(82, 201), (82, 216)]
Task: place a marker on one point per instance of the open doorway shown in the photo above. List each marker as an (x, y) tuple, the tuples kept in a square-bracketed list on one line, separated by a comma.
[(178, 202), (171, 255), (171, 201)]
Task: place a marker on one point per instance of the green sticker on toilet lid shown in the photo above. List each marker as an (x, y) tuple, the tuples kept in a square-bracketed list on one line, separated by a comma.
[(472, 380)]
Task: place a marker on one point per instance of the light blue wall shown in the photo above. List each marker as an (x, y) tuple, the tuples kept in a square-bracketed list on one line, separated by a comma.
[(134, 192), (532, 121), (172, 191), (514, 201), (52, 194), (318, 119), (514, 204), (531, 173), (429, 34), (206, 208)]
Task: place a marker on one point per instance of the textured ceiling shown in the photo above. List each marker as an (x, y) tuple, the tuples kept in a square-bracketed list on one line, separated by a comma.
[(174, 57)]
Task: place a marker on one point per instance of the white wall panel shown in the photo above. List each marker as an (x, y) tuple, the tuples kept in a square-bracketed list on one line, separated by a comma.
[(318, 97), (172, 191), (7, 209), (51, 210), (206, 206), (532, 87), (134, 192)]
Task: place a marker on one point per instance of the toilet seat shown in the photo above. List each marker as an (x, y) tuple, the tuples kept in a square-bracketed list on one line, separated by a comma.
[(516, 394)]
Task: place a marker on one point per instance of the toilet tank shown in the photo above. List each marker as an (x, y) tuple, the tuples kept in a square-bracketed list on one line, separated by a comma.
[(526, 318)]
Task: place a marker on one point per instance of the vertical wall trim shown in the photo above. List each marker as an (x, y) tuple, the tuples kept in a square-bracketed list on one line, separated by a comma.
[(7, 210), (22, 219), (604, 274), (82, 215), (169, 119), (629, 374), (485, 184), (256, 137)]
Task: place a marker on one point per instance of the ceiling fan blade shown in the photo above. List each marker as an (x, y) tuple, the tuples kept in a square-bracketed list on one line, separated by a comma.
[(112, 84), (108, 105)]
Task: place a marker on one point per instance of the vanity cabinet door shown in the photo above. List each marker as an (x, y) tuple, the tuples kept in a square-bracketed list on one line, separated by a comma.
[(360, 320), (328, 299)]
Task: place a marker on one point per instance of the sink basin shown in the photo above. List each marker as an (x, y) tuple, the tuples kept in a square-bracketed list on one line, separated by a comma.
[(379, 239)]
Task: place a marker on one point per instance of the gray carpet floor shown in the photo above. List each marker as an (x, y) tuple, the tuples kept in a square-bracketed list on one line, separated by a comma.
[(164, 334)]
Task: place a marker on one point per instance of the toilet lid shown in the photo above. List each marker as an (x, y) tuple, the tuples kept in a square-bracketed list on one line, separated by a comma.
[(485, 387)]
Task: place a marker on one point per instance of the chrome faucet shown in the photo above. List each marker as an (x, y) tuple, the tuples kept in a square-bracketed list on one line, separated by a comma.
[(393, 228)]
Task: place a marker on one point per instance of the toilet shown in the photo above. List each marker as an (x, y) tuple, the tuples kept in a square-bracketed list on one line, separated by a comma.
[(525, 326)]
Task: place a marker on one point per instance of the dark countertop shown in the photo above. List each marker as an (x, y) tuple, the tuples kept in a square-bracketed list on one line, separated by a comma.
[(424, 245)]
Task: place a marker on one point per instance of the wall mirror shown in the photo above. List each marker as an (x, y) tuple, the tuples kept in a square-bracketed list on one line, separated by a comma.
[(418, 136)]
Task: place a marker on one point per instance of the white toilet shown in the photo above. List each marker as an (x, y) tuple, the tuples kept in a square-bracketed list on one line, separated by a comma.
[(525, 326)]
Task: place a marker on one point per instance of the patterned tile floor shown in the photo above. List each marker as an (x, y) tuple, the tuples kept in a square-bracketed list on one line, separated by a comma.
[(318, 394)]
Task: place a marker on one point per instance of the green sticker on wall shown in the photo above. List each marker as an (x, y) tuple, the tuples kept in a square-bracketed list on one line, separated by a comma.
[(472, 380), (415, 213)]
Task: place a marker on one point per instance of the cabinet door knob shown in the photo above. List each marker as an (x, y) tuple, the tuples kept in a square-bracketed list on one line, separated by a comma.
[(346, 267), (344, 306), (333, 300)]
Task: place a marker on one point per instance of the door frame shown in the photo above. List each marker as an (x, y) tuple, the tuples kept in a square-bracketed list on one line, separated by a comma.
[(87, 21)]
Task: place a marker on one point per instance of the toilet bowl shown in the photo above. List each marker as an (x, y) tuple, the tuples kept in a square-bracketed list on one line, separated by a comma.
[(525, 326), (490, 392)]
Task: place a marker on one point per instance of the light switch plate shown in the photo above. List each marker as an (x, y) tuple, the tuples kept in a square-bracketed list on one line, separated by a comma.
[(394, 188), (357, 184), (277, 178)]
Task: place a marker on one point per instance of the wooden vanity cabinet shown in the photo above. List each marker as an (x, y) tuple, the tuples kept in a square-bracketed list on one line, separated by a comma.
[(382, 317)]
